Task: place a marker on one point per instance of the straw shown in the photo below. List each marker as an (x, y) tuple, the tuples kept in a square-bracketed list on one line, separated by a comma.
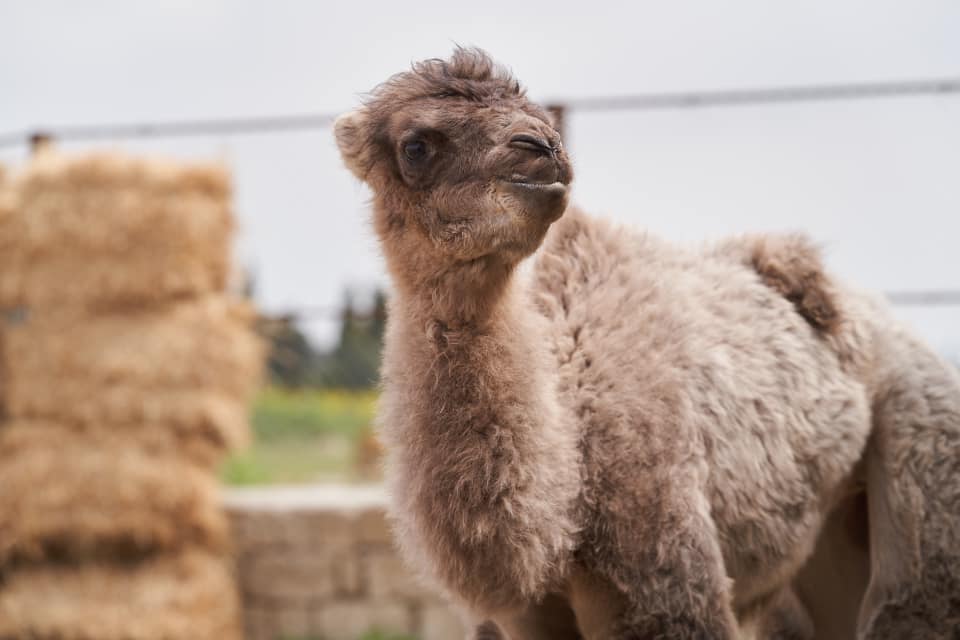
[(66, 495), (107, 229), (177, 596), (190, 367)]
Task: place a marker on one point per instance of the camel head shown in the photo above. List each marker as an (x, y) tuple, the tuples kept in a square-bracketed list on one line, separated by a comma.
[(462, 166)]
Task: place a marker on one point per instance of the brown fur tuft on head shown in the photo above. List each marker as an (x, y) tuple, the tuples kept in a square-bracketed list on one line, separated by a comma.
[(470, 73)]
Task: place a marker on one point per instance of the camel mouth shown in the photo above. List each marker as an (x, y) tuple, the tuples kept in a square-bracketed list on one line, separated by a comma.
[(555, 187), (540, 200), (537, 185)]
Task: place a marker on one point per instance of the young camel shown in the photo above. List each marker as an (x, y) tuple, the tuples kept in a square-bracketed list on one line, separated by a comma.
[(634, 441)]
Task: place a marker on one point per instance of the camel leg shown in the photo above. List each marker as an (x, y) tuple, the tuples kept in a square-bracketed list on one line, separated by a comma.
[(598, 605), (781, 616), (694, 612), (604, 613), (913, 491), (488, 630), (676, 588), (832, 582), (551, 619), (685, 593)]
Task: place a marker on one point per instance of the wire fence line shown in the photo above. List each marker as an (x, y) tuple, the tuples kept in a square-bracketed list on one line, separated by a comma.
[(933, 87), (918, 298), (924, 298), (768, 96), (174, 129)]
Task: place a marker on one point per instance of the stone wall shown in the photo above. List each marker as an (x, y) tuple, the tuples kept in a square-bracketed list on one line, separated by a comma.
[(317, 562)]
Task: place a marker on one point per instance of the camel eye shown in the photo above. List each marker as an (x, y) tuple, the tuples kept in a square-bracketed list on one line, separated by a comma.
[(415, 150)]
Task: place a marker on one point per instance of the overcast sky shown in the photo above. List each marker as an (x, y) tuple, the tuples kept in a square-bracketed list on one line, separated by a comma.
[(876, 183)]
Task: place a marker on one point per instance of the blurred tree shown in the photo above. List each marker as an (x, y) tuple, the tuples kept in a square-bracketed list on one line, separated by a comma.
[(355, 362), (290, 358)]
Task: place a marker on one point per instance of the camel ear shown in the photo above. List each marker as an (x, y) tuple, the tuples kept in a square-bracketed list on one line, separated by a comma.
[(350, 130)]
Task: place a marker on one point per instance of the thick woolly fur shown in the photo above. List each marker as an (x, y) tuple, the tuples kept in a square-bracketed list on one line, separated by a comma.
[(635, 440)]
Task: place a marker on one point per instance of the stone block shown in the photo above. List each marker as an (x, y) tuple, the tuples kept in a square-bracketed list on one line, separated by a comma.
[(387, 577), (286, 575), (372, 527), (253, 529), (279, 620), (346, 575), (349, 620), (331, 531), (440, 622)]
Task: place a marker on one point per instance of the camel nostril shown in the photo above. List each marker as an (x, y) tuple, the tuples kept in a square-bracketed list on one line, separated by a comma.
[(528, 142)]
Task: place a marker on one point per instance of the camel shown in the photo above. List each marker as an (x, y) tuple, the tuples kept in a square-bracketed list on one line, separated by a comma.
[(630, 439)]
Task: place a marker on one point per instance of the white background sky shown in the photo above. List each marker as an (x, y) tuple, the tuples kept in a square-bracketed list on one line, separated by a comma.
[(876, 183)]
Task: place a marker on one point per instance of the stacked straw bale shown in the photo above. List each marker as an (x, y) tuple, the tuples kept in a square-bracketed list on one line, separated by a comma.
[(129, 373), (179, 596), (189, 366), (6, 243), (68, 495), (107, 230)]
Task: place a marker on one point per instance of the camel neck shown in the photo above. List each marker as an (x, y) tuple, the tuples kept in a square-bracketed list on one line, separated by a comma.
[(480, 447), (470, 297), (490, 342)]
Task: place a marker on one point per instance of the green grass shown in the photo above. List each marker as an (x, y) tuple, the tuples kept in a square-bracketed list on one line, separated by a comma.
[(303, 436), (279, 413)]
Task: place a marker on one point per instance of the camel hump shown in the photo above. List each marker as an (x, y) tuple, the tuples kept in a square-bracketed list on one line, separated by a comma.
[(791, 265)]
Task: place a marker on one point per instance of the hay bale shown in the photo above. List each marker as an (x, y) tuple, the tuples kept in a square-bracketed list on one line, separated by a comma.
[(3, 365), (204, 449), (191, 366), (10, 254), (3, 376), (107, 229), (3, 372), (65, 495), (189, 595)]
